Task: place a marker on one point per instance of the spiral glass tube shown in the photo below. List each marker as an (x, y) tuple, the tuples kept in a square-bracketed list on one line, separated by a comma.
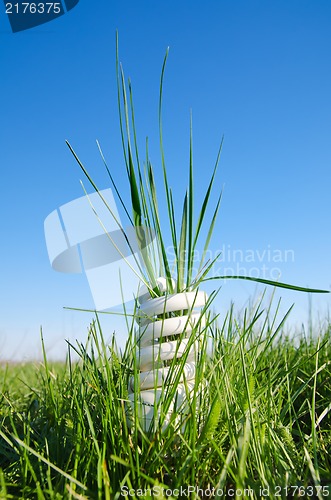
[(168, 327)]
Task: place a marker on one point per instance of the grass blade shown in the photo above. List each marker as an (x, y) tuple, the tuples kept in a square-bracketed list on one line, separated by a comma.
[(269, 282)]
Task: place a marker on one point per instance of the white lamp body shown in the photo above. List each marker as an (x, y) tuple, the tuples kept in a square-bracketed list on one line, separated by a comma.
[(156, 371)]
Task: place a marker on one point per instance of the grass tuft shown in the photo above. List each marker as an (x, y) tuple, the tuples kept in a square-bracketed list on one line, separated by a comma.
[(263, 422)]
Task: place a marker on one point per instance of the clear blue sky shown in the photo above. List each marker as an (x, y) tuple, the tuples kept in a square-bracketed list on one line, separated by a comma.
[(257, 72)]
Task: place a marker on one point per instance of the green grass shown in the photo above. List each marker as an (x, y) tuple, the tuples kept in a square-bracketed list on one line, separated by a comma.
[(263, 422)]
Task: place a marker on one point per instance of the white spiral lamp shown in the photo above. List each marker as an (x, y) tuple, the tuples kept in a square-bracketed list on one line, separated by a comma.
[(156, 371)]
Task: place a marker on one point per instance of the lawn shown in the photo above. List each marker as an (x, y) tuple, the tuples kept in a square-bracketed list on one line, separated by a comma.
[(260, 425)]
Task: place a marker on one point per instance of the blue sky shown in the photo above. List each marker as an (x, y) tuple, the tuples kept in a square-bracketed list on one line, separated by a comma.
[(258, 73)]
